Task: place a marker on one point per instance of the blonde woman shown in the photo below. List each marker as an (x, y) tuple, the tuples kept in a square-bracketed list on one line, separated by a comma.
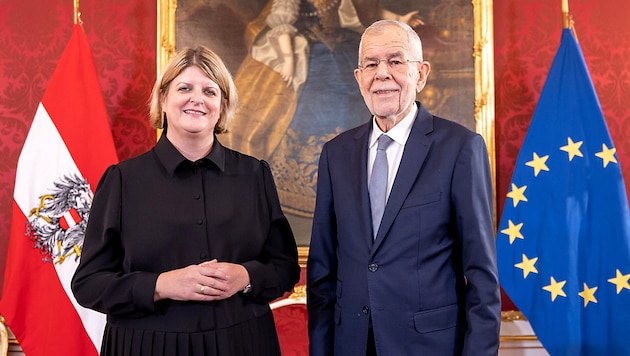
[(187, 244)]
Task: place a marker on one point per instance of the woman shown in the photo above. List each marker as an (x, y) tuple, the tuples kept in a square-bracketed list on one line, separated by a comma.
[(187, 243)]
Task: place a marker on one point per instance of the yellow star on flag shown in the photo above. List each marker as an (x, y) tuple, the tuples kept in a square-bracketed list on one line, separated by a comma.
[(621, 281), (572, 148), (527, 265), (513, 231), (538, 163), (555, 288), (517, 194), (607, 154), (588, 294)]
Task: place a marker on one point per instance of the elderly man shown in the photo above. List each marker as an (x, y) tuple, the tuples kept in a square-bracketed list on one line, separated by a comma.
[(402, 258)]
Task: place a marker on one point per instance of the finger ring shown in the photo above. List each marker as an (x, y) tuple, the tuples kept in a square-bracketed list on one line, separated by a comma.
[(202, 288)]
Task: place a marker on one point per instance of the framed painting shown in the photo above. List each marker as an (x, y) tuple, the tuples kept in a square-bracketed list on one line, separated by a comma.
[(285, 116)]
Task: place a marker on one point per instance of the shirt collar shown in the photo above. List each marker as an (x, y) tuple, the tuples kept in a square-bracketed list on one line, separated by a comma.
[(399, 132), (171, 158)]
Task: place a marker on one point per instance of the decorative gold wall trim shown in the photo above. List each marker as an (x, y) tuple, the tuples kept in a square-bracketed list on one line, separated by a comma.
[(518, 338), (302, 255), (511, 316), (165, 32), (483, 54), (4, 337)]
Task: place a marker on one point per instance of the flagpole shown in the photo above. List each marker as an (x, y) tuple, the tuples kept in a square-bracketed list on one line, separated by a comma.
[(567, 21), (565, 14), (77, 13)]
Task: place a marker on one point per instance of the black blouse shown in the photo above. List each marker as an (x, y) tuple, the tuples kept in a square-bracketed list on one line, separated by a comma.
[(158, 212)]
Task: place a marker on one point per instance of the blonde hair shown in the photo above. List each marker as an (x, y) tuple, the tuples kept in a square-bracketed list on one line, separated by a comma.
[(209, 63)]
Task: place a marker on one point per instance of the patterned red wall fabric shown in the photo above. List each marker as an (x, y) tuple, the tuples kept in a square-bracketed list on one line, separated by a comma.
[(122, 35), (527, 36)]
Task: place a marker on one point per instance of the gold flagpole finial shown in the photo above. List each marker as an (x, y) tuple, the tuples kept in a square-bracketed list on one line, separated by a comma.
[(77, 13), (565, 13), (567, 22)]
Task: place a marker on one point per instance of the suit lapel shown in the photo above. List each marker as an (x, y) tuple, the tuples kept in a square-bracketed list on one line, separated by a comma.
[(414, 155)]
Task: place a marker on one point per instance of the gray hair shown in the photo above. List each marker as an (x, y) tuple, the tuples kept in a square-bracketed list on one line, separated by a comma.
[(381, 26)]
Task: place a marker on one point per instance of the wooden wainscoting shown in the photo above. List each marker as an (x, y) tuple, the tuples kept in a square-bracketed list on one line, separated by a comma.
[(517, 336), (9, 346)]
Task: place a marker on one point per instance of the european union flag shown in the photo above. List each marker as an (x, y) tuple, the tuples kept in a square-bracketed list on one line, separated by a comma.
[(564, 236)]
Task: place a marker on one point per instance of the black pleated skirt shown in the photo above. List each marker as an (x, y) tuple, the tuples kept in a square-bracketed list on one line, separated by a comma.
[(254, 337)]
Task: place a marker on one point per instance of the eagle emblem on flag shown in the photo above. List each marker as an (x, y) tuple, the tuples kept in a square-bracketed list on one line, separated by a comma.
[(57, 225)]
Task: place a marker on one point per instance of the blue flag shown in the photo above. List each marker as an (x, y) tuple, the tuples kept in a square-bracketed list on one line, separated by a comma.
[(563, 242)]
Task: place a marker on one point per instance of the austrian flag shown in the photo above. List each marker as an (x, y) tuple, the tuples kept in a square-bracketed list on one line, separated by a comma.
[(67, 149)]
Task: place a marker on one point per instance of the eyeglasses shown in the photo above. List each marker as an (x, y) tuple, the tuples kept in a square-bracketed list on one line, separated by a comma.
[(394, 64)]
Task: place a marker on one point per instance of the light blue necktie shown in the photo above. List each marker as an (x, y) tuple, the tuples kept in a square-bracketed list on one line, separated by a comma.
[(378, 182)]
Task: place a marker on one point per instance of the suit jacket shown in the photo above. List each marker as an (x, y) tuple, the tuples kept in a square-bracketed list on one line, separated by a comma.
[(428, 283)]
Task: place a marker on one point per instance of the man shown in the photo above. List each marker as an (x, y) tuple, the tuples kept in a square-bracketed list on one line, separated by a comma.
[(424, 280)]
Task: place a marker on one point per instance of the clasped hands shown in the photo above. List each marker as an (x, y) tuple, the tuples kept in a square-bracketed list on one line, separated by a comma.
[(207, 281)]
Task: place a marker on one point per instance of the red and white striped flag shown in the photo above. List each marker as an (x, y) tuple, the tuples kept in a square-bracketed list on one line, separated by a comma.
[(67, 149)]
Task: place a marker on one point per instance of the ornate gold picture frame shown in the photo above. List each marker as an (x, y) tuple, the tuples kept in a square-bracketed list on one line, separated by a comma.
[(455, 25)]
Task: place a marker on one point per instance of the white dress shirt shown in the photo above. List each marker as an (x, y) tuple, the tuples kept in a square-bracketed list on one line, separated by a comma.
[(399, 133)]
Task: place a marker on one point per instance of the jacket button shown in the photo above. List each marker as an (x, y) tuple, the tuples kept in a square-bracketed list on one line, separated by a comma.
[(366, 309), (373, 267)]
